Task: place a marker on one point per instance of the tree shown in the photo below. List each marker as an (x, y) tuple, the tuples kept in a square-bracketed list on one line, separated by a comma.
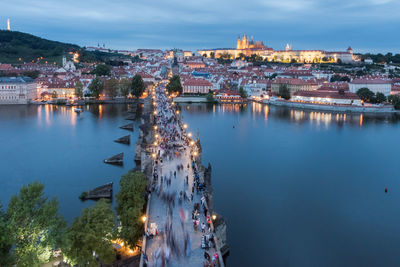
[(91, 233), (345, 79), (124, 87), (175, 85), (210, 97), (111, 87), (365, 94), (395, 101), (102, 70), (284, 91), (130, 203), (54, 94), (5, 240), (273, 76), (380, 98), (241, 56), (335, 78), (212, 55), (79, 89), (36, 226), (137, 86), (96, 87), (242, 92)]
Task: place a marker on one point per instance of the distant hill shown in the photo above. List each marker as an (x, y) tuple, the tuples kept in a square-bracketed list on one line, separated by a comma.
[(19, 47)]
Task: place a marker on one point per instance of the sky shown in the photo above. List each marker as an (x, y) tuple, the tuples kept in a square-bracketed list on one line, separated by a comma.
[(365, 25)]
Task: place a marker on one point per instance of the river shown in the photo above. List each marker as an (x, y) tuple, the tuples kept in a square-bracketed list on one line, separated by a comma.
[(297, 188)]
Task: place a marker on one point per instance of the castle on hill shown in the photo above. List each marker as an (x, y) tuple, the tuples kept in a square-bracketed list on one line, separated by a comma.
[(247, 47)]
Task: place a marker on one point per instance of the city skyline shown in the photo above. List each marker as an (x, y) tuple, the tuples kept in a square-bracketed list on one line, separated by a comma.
[(367, 26)]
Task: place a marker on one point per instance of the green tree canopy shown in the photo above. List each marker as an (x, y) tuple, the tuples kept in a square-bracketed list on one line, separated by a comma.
[(242, 92), (175, 85), (380, 98), (395, 101), (96, 87), (102, 70), (131, 201), (79, 89), (366, 94), (284, 91), (91, 232), (111, 87), (124, 87), (36, 226), (5, 240), (210, 97), (137, 86)]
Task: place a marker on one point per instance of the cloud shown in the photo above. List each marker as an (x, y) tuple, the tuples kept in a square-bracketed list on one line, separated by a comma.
[(207, 23)]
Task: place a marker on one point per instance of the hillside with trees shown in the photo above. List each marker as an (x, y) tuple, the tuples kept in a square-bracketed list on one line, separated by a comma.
[(18, 47)]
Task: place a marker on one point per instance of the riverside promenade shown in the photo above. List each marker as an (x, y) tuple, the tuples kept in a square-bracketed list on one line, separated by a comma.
[(179, 226)]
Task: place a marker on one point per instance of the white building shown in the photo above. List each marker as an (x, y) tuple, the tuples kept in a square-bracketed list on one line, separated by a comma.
[(255, 89), (383, 86), (197, 86), (17, 90), (339, 97)]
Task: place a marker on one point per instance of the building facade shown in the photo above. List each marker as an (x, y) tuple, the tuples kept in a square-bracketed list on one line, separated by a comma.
[(339, 97), (17, 90), (294, 85), (375, 85), (197, 86)]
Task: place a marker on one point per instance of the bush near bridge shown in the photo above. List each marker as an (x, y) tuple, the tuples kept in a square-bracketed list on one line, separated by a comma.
[(131, 201)]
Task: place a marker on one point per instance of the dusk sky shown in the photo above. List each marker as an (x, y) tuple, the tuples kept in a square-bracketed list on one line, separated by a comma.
[(365, 25)]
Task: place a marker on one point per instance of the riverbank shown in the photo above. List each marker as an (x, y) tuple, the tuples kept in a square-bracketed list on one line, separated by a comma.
[(334, 108), (89, 101)]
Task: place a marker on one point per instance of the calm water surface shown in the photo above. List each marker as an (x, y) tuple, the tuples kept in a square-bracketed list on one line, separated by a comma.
[(63, 150), (296, 188), (303, 188)]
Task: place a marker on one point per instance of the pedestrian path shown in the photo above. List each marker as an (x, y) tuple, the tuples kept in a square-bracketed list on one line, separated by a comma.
[(176, 203)]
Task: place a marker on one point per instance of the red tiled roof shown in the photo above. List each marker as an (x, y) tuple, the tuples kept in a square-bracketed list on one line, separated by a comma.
[(334, 86), (197, 82)]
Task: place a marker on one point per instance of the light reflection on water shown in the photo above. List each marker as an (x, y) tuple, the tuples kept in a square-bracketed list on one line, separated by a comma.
[(318, 118), (301, 187), (62, 149)]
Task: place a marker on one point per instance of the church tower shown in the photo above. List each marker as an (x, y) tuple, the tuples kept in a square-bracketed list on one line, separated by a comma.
[(239, 43), (245, 42), (8, 25), (64, 61)]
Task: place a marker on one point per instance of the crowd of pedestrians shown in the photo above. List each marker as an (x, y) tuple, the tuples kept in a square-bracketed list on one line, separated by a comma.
[(176, 182)]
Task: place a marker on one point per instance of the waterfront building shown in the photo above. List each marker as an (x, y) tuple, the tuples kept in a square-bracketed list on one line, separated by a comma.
[(294, 85), (56, 87), (17, 90), (197, 86), (256, 88), (229, 96), (327, 97), (247, 47), (376, 85)]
